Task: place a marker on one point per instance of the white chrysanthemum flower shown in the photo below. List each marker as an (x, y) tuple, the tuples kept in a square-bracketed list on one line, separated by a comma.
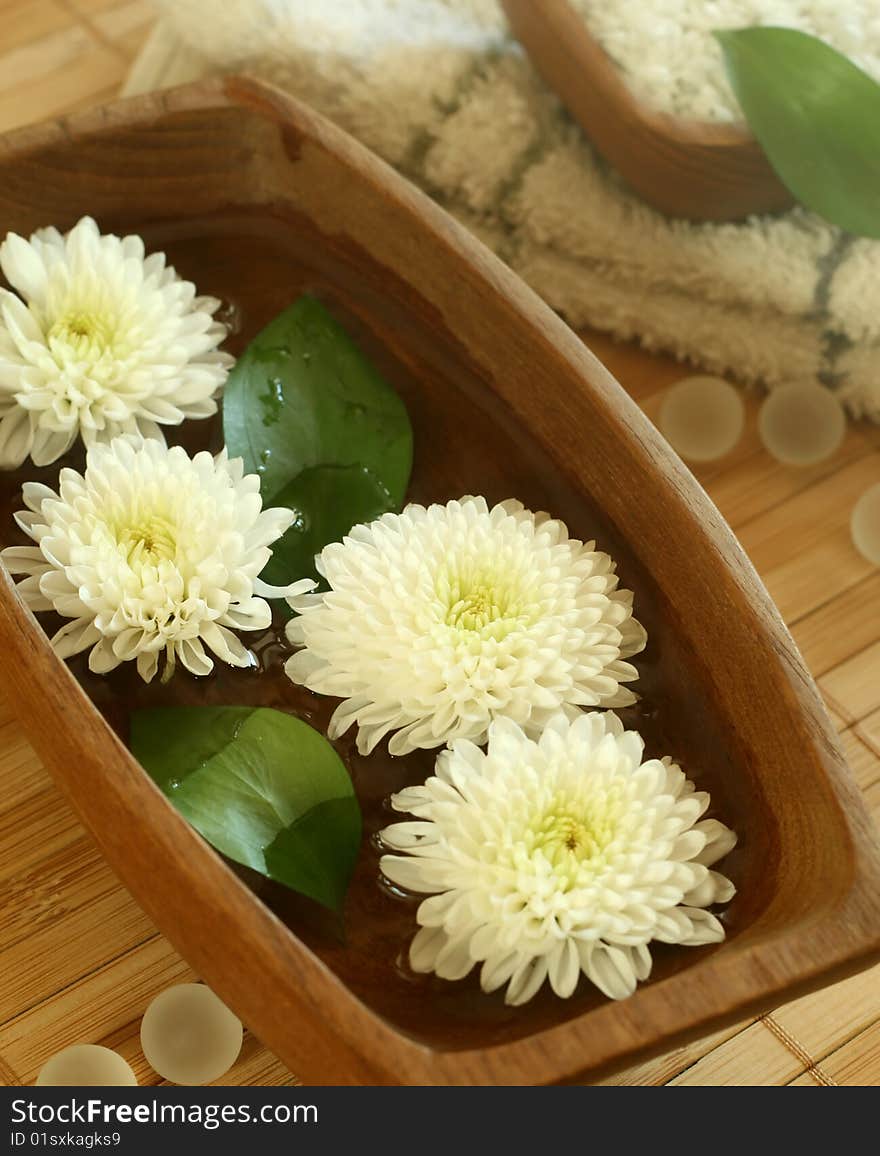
[(439, 620), (549, 858), (103, 341), (150, 553)]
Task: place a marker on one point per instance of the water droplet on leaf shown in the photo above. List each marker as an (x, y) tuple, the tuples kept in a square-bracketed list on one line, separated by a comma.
[(272, 400), (301, 522)]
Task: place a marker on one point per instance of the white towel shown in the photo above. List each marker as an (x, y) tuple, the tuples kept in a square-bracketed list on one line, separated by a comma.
[(441, 90)]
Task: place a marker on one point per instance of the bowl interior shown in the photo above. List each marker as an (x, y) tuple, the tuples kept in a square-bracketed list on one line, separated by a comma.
[(466, 442)]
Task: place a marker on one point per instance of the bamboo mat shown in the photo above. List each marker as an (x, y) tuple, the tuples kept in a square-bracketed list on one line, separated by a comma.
[(79, 961)]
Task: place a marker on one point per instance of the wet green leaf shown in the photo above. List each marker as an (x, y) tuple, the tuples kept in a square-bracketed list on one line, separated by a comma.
[(262, 787), (328, 501), (304, 395)]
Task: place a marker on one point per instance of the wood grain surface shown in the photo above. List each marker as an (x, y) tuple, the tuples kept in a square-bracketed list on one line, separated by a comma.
[(79, 961), (688, 168)]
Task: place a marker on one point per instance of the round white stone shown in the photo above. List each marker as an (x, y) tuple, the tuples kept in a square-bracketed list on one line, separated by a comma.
[(865, 524), (86, 1066), (801, 423), (702, 418), (189, 1036)]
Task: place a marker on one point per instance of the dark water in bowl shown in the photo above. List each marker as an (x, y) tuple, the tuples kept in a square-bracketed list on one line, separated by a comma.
[(466, 441)]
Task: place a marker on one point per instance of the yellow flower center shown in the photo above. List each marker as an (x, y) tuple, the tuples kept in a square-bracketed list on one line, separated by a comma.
[(84, 335), (569, 833), (485, 607), (475, 610), (148, 542)]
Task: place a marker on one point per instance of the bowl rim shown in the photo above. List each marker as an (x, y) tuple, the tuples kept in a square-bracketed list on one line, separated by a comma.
[(570, 30), (681, 166), (362, 1047)]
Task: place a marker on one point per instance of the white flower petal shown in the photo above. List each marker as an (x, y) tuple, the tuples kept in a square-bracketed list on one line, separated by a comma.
[(22, 267), (30, 593), (407, 836), (610, 969), (707, 928), (453, 960), (147, 665), (192, 654), (554, 857), (101, 657), (24, 560), (715, 888), (564, 968), (105, 342), (719, 840), (255, 614), (301, 586), (414, 875), (34, 494), (425, 947), (269, 527), (16, 437), (526, 981), (49, 445), (497, 970), (225, 645), (440, 620), (146, 552), (74, 637), (640, 961)]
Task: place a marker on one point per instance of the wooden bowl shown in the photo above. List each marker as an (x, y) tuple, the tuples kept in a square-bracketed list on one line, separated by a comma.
[(255, 198), (686, 168)]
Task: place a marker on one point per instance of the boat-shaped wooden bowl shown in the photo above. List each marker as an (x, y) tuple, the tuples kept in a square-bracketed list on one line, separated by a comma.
[(255, 198), (687, 168)]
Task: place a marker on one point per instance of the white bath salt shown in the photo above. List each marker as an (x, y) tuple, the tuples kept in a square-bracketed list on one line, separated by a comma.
[(865, 525), (189, 1036), (801, 424), (86, 1066), (671, 61), (702, 418)]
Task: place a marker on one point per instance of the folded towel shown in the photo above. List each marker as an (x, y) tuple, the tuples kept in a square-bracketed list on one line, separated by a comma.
[(441, 90)]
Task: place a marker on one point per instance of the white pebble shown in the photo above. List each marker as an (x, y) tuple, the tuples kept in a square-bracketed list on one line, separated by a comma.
[(801, 424), (86, 1066), (865, 525), (189, 1036), (702, 418)]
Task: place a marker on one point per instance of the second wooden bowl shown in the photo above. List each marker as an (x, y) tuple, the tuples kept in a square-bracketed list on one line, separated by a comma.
[(686, 168), (256, 198)]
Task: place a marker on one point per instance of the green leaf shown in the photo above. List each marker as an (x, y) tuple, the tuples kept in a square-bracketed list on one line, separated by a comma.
[(262, 787), (335, 823), (328, 501), (303, 395), (817, 117)]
